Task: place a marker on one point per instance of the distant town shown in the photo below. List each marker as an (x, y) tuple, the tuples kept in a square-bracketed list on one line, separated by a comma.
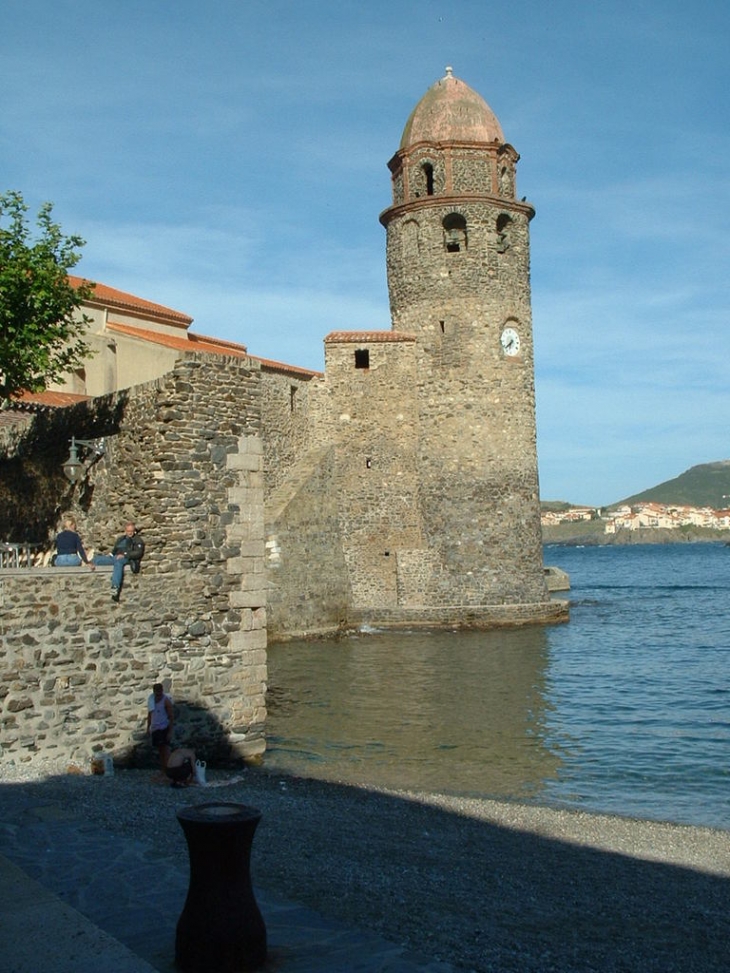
[(641, 515)]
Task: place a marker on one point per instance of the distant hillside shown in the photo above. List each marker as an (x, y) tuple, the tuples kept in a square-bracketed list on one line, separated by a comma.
[(706, 485)]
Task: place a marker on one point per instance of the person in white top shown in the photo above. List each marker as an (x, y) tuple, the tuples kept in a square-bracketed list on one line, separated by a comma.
[(160, 722)]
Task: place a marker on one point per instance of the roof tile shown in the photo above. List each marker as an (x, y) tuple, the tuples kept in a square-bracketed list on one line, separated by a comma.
[(111, 297), (191, 342), (368, 336)]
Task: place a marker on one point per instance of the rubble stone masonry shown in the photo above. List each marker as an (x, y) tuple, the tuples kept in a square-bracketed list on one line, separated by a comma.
[(184, 460), (397, 488)]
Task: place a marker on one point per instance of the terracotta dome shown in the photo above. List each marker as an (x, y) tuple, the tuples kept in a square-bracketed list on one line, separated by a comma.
[(451, 111)]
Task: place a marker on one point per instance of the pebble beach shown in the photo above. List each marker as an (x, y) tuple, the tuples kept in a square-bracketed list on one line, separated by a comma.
[(483, 886)]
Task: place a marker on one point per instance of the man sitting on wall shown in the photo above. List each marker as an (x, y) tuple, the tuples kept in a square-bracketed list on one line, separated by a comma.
[(128, 550)]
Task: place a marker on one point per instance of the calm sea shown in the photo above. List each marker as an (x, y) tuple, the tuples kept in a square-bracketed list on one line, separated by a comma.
[(626, 709)]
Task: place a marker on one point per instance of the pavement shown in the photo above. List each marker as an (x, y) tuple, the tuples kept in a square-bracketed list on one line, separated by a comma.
[(76, 899)]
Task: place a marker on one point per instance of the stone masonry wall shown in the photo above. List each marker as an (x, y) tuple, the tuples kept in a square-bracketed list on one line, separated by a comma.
[(309, 588), (286, 422), (184, 460), (478, 273), (374, 422), (477, 457)]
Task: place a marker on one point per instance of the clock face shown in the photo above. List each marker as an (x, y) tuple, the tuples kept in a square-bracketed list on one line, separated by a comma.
[(510, 341)]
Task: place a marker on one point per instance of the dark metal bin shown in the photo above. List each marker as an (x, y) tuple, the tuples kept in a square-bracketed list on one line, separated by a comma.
[(221, 929)]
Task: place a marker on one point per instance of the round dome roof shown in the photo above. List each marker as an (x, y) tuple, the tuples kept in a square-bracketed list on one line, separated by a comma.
[(451, 111)]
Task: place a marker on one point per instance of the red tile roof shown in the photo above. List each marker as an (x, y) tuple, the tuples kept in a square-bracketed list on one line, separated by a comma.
[(19, 411), (276, 366), (191, 342), (111, 297), (197, 342), (368, 336), (53, 400)]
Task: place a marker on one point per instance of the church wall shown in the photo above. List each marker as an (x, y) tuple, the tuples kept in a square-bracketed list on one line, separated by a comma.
[(471, 171), (398, 188), (136, 362), (118, 361), (98, 375), (456, 169), (417, 178)]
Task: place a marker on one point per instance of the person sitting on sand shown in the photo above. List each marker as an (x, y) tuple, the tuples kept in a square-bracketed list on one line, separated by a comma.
[(181, 767)]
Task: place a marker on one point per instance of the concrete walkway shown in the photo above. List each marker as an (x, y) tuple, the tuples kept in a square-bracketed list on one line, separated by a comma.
[(75, 899)]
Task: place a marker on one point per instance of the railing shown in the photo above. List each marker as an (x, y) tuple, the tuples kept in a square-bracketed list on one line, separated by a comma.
[(20, 555)]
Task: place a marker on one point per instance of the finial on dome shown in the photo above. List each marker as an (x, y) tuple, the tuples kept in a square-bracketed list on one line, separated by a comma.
[(451, 111)]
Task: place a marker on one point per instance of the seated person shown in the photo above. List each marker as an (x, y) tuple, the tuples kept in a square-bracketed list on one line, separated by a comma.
[(128, 550), (69, 549), (181, 767)]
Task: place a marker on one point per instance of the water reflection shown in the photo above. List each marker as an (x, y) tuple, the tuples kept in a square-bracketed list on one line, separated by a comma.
[(441, 711)]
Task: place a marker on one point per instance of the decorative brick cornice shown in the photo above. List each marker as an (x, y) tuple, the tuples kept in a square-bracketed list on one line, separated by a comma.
[(455, 202)]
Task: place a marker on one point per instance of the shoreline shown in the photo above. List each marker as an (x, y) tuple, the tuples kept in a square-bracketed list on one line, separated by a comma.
[(487, 885), (566, 535)]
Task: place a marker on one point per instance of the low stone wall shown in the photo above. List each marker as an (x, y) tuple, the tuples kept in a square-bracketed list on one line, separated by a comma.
[(76, 669), (464, 616), (184, 460)]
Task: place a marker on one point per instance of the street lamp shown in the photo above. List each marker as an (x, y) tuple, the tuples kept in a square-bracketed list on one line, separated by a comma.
[(76, 469)]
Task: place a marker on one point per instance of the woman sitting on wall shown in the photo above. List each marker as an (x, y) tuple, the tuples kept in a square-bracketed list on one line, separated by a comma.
[(70, 551)]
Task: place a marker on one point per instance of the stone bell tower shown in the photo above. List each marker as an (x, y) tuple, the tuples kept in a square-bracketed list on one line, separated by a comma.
[(458, 263)]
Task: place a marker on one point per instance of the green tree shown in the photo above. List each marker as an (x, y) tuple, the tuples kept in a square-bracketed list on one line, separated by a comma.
[(41, 331)]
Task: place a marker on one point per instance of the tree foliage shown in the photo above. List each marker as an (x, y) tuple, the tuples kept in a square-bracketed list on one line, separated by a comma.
[(41, 331)]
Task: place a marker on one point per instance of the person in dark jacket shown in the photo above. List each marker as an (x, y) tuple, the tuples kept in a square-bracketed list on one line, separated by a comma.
[(70, 551), (128, 550)]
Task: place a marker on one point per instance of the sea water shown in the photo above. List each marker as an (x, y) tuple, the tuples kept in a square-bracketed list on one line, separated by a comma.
[(625, 709)]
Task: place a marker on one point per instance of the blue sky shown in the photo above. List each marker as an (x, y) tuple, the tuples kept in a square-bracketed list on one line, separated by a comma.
[(228, 159)]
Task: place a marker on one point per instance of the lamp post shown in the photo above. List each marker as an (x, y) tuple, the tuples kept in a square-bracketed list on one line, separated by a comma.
[(74, 468)]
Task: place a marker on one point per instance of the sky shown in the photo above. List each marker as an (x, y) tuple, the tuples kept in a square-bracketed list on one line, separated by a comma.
[(229, 160)]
